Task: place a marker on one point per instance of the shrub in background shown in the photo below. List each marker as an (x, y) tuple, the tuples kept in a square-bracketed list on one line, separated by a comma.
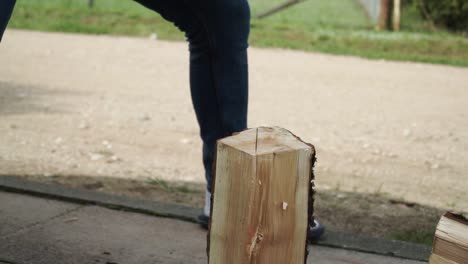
[(450, 14)]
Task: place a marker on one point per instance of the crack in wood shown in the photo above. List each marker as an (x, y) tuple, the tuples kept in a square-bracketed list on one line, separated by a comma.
[(255, 245), (256, 141)]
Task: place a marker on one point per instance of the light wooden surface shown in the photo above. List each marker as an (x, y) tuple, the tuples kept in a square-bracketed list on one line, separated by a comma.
[(453, 231), (436, 259), (260, 199), (451, 241)]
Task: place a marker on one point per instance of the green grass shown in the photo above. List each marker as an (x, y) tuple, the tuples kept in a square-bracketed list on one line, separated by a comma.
[(415, 236), (168, 187), (114, 17), (332, 26)]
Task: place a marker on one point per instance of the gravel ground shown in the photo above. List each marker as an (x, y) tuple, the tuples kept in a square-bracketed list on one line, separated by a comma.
[(116, 106)]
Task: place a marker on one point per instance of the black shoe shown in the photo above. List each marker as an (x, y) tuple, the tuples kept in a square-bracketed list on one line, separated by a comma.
[(315, 232), (203, 221)]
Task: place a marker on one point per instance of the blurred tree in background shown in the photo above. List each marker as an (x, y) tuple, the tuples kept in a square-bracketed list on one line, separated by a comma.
[(449, 14)]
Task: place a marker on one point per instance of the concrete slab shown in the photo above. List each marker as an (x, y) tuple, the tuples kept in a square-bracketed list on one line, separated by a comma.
[(15, 216), (326, 255), (98, 235), (374, 245), (93, 234), (333, 239)]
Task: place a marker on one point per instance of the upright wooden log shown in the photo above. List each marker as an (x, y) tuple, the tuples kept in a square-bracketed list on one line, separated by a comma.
[(262, 201), (451, 240)]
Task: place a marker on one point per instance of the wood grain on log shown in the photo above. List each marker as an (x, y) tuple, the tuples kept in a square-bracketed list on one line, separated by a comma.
[(260, 211), (451, 240), (436, 259)]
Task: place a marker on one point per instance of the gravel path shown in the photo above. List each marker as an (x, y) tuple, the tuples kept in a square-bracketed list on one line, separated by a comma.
[(117, 106)]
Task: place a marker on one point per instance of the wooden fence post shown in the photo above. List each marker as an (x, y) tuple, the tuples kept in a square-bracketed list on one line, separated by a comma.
[(384, 16), (262, 198), (396, 15)]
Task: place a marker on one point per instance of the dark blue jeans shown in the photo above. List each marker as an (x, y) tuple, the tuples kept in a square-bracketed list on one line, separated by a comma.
[(6, 7), (217, 32)]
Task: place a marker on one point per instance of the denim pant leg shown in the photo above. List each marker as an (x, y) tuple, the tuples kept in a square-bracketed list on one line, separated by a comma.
[(228, 25), (219, 72), (6, 8), (217, 32)]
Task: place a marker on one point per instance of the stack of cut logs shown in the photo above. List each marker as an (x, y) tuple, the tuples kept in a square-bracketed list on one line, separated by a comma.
[(451, 240)]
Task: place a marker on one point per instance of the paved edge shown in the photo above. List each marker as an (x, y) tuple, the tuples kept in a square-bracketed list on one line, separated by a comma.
[(334, 239), (4, 261), (63, 193), (392, 248)]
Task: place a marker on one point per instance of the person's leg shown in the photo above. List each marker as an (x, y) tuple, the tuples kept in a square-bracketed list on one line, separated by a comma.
[(217, 34), (189, 19), (227, 23), (6, 8), (222, 62), (219, 76), (201, 78), (217, 31)]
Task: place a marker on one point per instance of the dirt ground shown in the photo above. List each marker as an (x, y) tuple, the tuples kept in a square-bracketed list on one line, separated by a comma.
[(120, 107)]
